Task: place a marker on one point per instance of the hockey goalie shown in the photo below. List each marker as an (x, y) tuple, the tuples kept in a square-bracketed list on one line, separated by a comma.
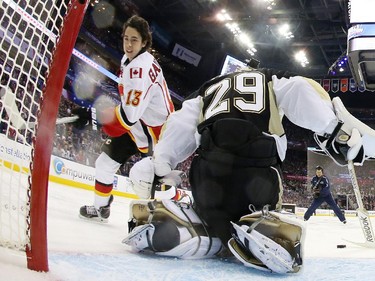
[(233, 127)]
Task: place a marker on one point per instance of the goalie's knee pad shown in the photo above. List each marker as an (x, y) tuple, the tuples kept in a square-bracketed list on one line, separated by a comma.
[(269, 241), (169, 228), (157, 236)]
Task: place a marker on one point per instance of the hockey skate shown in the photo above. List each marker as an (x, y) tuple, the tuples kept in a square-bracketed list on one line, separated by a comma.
[(96, 215)]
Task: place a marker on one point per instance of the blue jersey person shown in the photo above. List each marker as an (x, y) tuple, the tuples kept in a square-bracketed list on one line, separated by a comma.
[(322, 193)]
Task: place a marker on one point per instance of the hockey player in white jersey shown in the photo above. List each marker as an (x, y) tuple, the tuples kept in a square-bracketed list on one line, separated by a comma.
[(134, 125), (233, 124)]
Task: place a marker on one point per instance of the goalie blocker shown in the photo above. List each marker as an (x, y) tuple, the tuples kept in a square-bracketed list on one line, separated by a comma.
[(263, 240)]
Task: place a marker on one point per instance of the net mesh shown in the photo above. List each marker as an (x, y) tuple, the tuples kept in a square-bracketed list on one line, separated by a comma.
[(29, 30)]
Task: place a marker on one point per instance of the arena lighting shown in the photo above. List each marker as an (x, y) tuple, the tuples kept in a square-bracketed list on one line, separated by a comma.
[(270, 4), (301, 58), (94, 2), (223, 15), (233, 26), (340, 65), (235, 29), (284, 31)]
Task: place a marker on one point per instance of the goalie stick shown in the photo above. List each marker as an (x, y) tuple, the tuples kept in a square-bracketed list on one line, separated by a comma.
[(363, 216), (9, 101)]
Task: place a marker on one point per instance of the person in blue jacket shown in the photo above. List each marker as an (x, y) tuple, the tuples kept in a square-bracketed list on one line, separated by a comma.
[(322, 193)]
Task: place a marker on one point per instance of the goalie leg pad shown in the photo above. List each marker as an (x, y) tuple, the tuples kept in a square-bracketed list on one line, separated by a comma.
[(268, 242), (169, 228), (270, 253), (139, 238), (167, 236), (195, 248)]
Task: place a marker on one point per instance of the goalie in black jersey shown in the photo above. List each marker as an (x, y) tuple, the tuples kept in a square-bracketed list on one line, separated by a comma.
[(233, 124)]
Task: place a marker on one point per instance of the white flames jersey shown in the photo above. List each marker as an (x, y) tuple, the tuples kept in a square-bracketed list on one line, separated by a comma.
[(145, 98)]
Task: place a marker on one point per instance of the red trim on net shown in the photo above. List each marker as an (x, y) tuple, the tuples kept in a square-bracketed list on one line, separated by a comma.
[(37, 253)]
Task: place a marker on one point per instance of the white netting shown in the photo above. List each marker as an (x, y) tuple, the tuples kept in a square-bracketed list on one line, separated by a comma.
[(29, 30)]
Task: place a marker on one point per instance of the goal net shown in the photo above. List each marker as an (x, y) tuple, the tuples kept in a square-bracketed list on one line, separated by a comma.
[(36, 38)]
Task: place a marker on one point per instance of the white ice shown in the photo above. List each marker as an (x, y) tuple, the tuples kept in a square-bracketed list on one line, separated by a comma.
[(85, 251)]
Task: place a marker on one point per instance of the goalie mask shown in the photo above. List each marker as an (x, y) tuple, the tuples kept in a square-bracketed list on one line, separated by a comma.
[(269, 241)]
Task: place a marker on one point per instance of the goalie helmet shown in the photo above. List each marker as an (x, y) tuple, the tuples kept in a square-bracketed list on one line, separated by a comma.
[(269, 241)]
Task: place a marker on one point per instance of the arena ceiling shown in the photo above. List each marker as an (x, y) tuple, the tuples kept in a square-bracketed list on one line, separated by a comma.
[(319, 27)]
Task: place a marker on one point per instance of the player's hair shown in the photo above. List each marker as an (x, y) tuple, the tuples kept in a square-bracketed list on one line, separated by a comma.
[(141, 25), (320, 168)]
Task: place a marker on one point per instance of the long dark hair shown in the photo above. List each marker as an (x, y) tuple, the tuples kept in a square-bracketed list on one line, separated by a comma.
[(141, 25)]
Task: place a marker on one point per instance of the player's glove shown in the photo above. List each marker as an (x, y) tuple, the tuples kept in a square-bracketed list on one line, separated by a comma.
[(87, 116), (316, 192), (145, 184)]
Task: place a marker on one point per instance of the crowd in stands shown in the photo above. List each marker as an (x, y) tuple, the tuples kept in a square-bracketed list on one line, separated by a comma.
[(83, 146)]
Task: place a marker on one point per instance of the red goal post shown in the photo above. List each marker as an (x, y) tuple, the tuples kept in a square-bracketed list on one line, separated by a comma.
[(36, 39)]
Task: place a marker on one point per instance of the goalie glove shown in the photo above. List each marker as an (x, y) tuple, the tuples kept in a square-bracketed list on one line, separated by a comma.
[(342, 147), (351, 140), (269, 241)]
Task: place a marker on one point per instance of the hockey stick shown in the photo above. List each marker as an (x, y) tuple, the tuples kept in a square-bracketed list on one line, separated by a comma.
[(362, 213), (364, 218), (9, 101), (65, 120)]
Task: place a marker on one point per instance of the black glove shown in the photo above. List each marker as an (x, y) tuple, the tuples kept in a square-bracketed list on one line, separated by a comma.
[(85, 117), (316, 192)]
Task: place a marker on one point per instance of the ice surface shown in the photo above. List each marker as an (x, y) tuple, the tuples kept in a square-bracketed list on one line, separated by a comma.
[(85, 251)]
